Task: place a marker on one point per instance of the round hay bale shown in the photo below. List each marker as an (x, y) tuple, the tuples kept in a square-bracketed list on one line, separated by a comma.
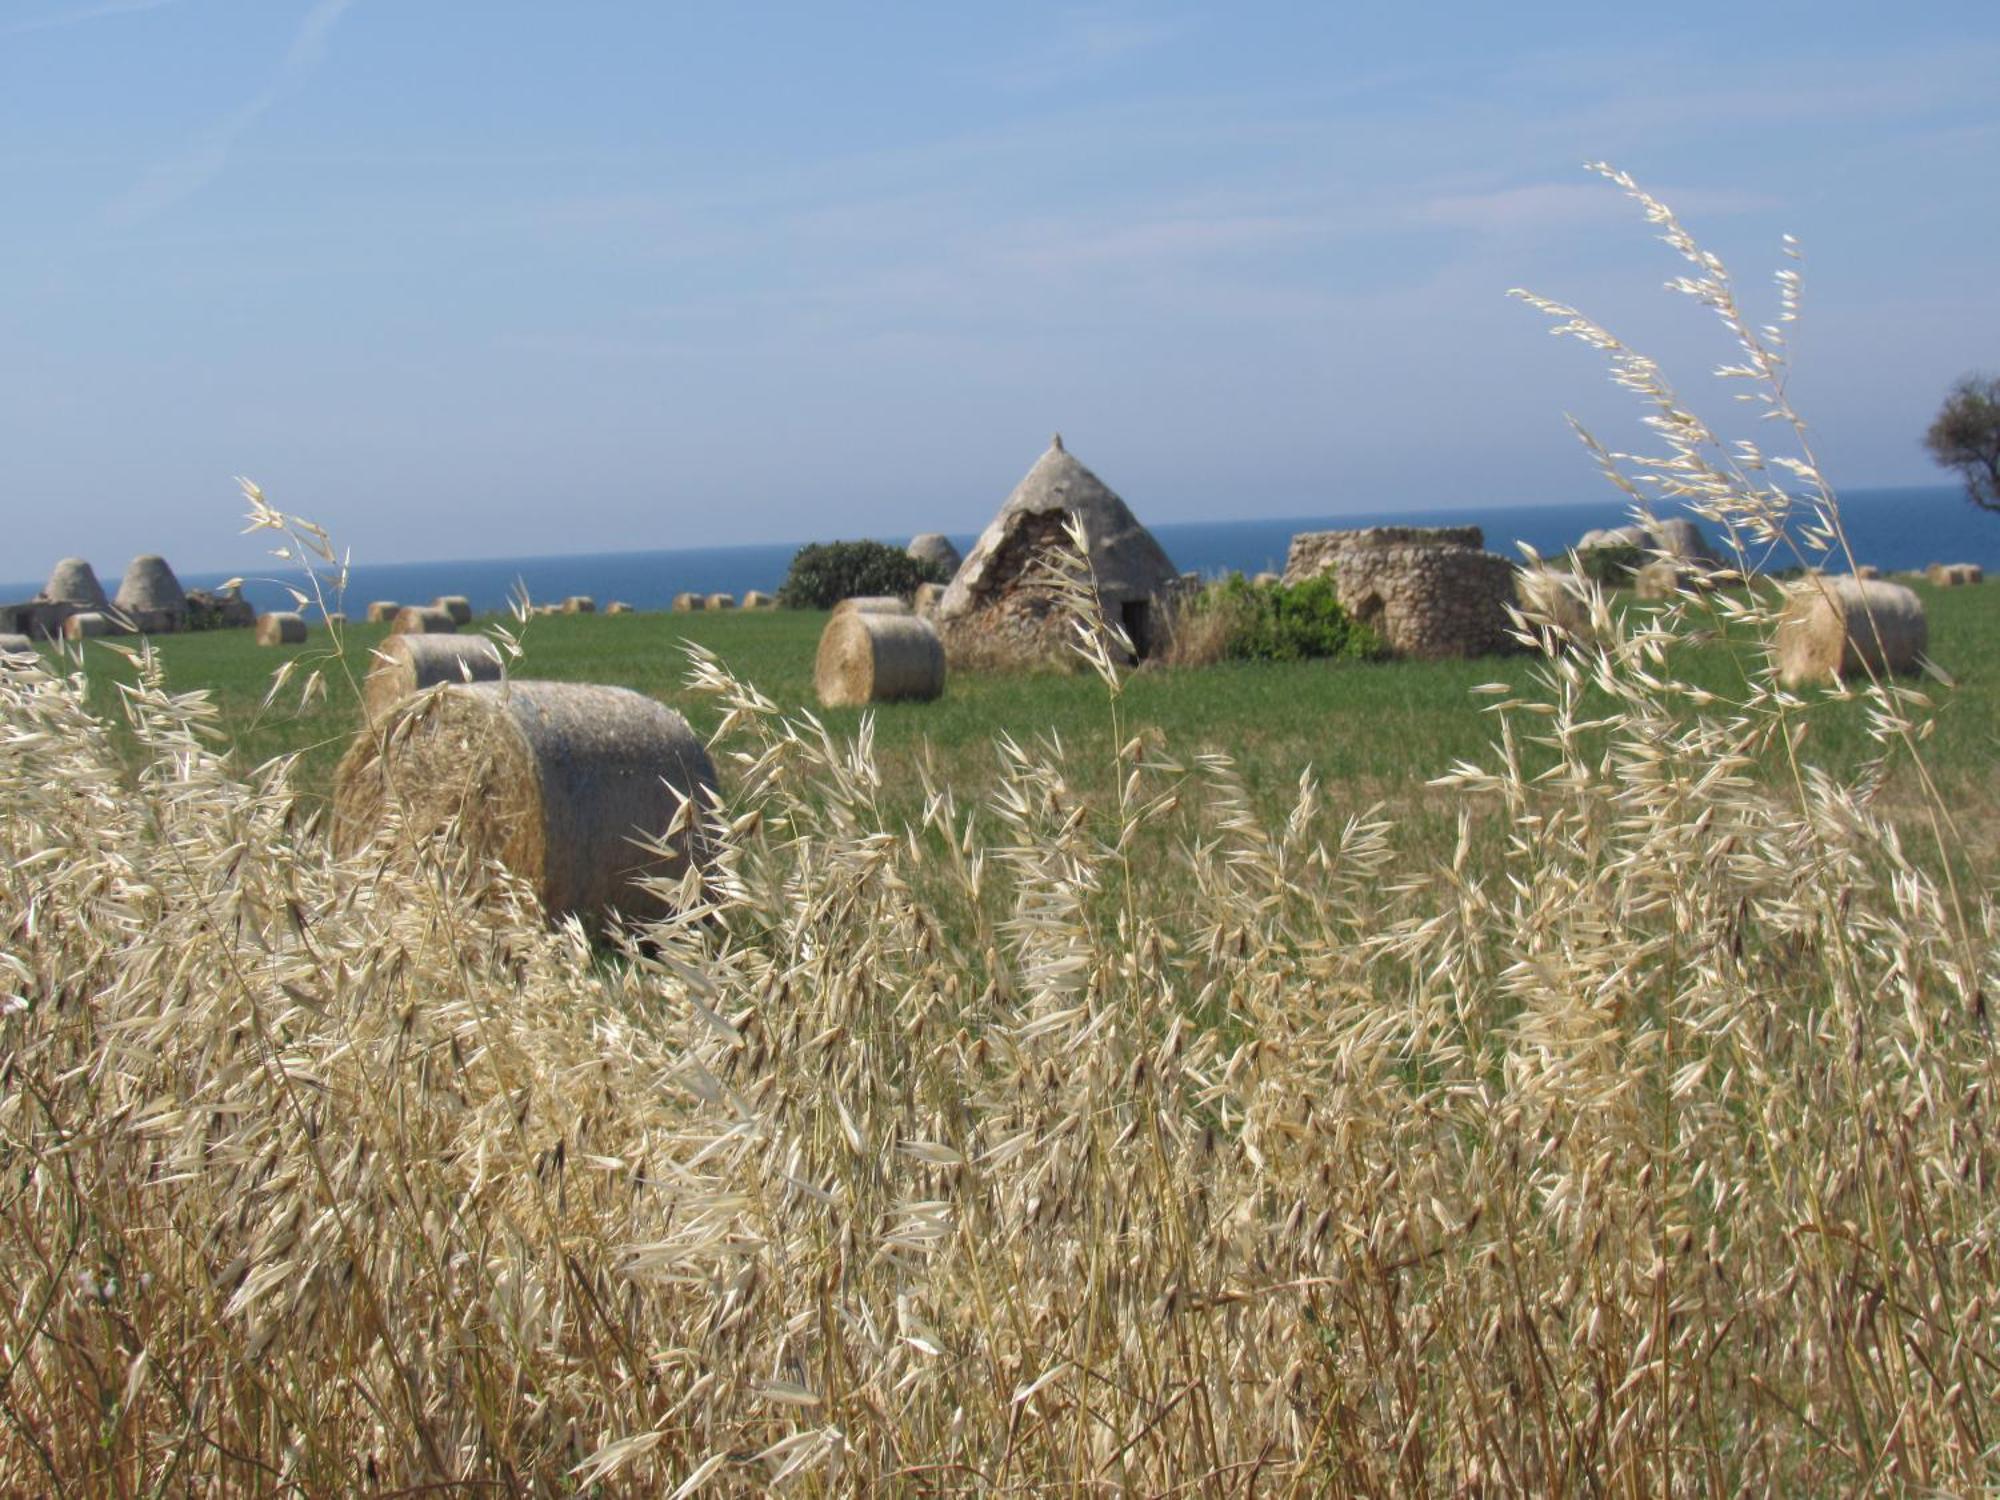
[(456, 605), (74, 581), (1834, 627), (336, 617), (282, 627), (383, 611), (406, 664), (1867, 570), (88, 625), (720, 601), (421, 619), (872, 604), (151, 597), (1268, 580), (1662, 579), (559, 782), (935, 547), (1962, 575), (579, 604), (686, 604), (877, 658), (758, 599), (928, 597), (16, 645), (1556, 604), (618, 607)]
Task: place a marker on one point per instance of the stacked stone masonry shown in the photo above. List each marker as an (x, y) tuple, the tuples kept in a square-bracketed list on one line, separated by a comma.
[(1428, 591)]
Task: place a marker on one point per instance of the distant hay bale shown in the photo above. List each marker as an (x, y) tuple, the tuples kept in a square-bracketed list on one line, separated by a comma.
[(282, 627), (89, 625), (1834, 627), (686, 604), (456, 605), (935, 547), (1867, 570), (1961, 575), (383, 611), (1556, 601), (74, 581), (560, 782), (336, 617), (869, 657), (720, 601), (421, 619), (618, 607), (872, 604), (16, 645), (405, 664), (579, 604), (758, 599), (928, 597), (1268, 580), (1662, 579), (151, 598)]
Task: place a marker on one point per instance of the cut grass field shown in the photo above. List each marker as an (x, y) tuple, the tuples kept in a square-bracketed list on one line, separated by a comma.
[(1374, 731)]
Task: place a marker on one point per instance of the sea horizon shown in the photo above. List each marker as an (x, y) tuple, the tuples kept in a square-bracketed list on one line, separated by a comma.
[(1897, 528)]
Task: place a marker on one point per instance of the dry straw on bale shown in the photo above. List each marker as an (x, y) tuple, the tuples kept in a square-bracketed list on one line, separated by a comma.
[(872, 604), (579, 604), (560, 782), (1839, 626), (151, 597), (928, 596), (1867, 570), (618, 607), (687, 603), (382, 611), (1662, 579), (1959, 575), (88, 626), (721, 601), (877, 658), (405, 664), (456, 605), (420, 619), (758, 599), (281, 628), (74, 581)]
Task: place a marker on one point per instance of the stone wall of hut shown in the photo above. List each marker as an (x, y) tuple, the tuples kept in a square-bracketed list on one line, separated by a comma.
[(1428, 591)]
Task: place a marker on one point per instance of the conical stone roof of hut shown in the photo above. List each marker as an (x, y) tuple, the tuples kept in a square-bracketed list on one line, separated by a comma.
[(150, 595), (74, 581), (1129, 564)]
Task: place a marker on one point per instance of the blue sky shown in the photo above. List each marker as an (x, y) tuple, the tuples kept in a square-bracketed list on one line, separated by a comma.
[(503, 278)]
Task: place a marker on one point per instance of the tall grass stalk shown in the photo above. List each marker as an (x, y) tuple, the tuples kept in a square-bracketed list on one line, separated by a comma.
[(1654, 1152)]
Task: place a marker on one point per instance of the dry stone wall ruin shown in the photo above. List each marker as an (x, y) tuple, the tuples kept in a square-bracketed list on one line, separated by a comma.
[(1427, 591)]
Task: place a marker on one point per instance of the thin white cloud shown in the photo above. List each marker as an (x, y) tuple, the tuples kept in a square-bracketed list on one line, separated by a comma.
[(172, 181), (1089, 40), (76, 16)]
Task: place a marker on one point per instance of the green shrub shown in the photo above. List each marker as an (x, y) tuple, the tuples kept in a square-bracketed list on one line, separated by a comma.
[(1611, 566), (824, 573), (1237, 620)]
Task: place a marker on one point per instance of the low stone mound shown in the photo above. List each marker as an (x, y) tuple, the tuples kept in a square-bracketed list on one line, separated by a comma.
[(1427, 591)]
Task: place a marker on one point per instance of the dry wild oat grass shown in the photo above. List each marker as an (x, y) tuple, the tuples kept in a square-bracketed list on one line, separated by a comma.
[(1656, 1156)]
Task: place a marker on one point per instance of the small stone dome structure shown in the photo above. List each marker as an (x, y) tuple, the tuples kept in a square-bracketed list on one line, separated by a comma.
[(151, 597), (994, 609), (1427, 591), (74, 581), (935, 547)]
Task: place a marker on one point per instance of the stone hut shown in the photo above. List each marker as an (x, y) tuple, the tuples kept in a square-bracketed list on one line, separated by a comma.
[(151, 598), (995, 609), (935, 547), (1428, 591), (72, 589)]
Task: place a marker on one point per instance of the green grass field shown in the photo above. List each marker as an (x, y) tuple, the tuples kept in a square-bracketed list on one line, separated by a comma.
[(1371, 731)]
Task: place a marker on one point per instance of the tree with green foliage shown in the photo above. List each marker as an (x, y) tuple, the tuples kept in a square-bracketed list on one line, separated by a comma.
[(824, 573), (1965, 436)]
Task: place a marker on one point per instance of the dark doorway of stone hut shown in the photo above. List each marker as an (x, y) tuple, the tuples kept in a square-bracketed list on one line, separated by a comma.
[(1136, 615)]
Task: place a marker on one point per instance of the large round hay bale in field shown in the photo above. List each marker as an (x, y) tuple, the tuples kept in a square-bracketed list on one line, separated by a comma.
[(1662, 579), (560, 782), (456, 605), (1867, 570), (721, 601), (151, 598), (89, 625), (873, 604), (383, 611), (758, 599), (877, 658), (687, 604), (579, 604), (1834, 627), (405, 664), (618, 607), (74, 581), (16, 645), (281, 628), (421, 619)]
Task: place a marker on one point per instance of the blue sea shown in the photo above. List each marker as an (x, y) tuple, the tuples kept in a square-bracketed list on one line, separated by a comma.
[(1893, 528)]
